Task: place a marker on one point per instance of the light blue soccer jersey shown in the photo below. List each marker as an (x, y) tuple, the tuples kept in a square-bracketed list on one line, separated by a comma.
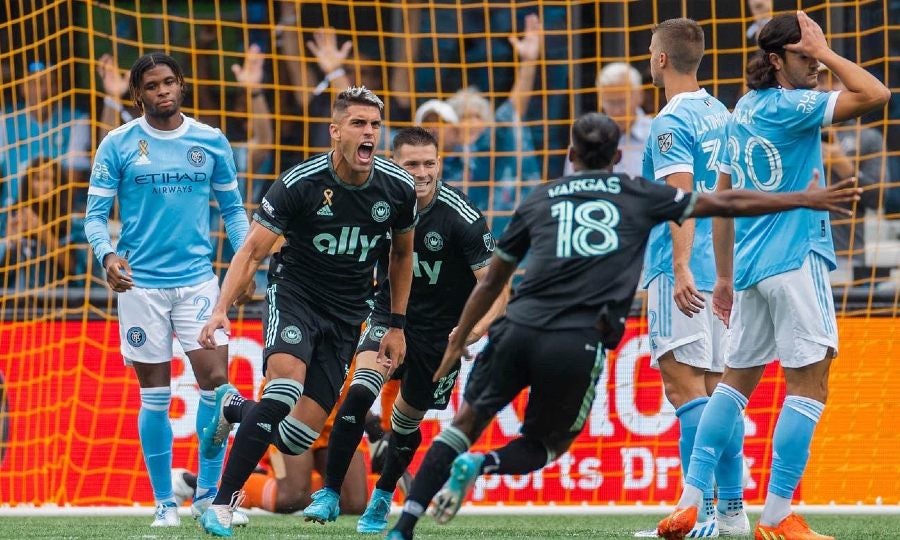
[(774, 145), (163, 181), (687, 136)]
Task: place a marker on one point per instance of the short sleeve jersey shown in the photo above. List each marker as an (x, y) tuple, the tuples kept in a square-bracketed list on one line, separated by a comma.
[(163, 181), (687, 136), (585, 237), (452, 240), (774, 145), (336, 231)]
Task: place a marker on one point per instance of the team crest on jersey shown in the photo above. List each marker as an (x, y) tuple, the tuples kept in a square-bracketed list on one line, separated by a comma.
[(196, 156), (381, 211), (433, 241), (664, 141), (291, 334), (378, 332), (136, 336), (488, 241), (143, 153)]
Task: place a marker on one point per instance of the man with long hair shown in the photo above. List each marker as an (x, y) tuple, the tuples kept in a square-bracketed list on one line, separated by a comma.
[(778, 264)]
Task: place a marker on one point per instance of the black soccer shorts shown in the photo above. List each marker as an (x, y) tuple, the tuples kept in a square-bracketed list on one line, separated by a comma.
[(561, 366), (424, 351), (323, 343)]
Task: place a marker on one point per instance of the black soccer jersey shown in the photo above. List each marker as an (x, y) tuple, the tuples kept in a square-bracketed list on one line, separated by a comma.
[(451, 241), (335, 231), (585, 236)]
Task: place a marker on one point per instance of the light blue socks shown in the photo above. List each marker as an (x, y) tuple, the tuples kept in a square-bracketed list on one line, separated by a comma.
[(155, 432), (790, 445)]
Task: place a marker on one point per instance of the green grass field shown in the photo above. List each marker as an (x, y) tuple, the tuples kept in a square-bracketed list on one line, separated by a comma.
[(844, 527)]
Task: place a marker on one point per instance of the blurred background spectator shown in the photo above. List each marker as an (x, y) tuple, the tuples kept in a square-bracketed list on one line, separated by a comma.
[(620, 95), (848, 150), (496, 158), (761, 11), (40, 228)]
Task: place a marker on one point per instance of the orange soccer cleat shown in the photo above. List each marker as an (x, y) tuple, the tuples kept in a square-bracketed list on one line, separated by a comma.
[(793, 527), (678, 523)]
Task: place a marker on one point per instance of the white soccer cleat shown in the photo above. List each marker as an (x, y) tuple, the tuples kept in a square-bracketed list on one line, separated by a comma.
[(217, 520), (239, 518), (166, 515), (702, 529), (735, 525), (200, 505)]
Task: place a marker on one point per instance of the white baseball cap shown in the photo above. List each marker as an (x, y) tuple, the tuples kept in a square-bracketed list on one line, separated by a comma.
[(441, 108)]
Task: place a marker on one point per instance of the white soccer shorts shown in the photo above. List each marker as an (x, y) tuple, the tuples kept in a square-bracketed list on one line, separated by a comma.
[(148, 318), (789, 316), (698, 341)]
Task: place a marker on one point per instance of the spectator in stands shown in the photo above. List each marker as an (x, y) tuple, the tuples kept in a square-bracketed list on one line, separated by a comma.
[(762, 13), (335, 68), (439, 119), (251, 134), (40, 228), (41, 124), (620, 96), (494, 146), (848, 150), (115, 92)]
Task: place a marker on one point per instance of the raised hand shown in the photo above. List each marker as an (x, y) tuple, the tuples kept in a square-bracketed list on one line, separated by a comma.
[(250, 74), (114, 83), (324, 47), (812, 40), (529, 46)]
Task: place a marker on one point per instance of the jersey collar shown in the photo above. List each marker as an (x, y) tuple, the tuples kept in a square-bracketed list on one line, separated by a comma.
[(343, 184), (437, 189), (165, 134)]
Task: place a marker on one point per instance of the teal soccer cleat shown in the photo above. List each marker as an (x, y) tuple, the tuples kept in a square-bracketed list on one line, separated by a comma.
[(214, 436), (463, 473), (216, 520), (325, 506), (374, 519)]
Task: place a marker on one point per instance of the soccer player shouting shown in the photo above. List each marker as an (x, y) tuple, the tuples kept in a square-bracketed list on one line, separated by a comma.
[(336, 211)]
